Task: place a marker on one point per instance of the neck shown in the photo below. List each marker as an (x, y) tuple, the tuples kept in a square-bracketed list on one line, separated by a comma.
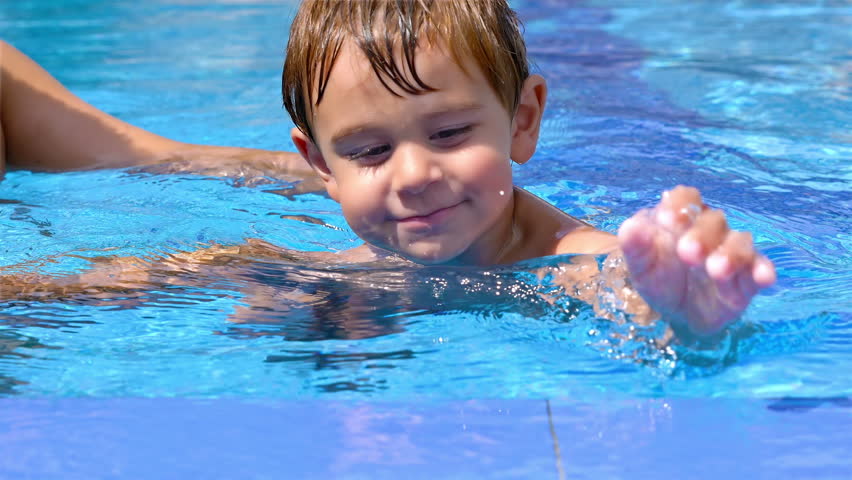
[(498, 245)]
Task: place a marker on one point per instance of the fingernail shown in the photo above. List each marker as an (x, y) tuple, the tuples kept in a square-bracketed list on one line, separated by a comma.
[(718, 265), (689, 248), (665, 217), (690, 211), (764, 274)]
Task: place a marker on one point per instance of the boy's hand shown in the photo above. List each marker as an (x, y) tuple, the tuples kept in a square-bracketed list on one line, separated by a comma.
[(689, 265)]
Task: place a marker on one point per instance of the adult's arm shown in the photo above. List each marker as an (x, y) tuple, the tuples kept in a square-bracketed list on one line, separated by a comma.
[(43, 126)]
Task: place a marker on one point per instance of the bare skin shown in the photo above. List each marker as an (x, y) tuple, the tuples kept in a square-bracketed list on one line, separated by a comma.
[(378, 151), (43, 126), (682, 257), (699, 289), (689, 265)]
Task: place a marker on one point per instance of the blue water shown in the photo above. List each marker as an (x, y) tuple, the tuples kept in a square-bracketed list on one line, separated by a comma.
[(750, 101)]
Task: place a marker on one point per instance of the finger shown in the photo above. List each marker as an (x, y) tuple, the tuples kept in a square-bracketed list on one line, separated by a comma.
[(636, 240), (705, 236), (679, 207), (736, 291), (682, 195), (763, 272), (736, 253)]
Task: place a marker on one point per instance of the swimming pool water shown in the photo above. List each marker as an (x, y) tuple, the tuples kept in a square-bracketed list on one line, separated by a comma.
[(642, 97)]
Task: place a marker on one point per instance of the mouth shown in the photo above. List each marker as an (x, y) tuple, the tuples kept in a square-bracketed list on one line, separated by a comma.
[(429, 219)]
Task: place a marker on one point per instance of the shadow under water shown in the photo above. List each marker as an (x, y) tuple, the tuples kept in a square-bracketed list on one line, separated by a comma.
[(277, 293)]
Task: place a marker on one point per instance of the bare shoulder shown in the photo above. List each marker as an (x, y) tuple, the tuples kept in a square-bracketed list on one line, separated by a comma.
[(586, 239), (554, 232)]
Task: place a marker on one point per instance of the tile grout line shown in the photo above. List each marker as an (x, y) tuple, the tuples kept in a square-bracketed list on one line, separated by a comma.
[(556, 450)]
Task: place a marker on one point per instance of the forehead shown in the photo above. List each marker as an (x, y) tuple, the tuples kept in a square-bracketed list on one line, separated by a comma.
[(354, 89)]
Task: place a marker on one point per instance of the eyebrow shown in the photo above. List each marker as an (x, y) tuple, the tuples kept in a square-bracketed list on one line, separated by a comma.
[(450, 110)]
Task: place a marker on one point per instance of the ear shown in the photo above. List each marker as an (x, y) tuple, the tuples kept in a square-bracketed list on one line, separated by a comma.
[(527, 120), (311, 153)]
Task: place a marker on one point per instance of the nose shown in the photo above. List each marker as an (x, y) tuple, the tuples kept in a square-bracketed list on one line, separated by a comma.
[(415, 169)]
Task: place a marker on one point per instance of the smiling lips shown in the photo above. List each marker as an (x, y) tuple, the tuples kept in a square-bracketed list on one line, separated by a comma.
[(430, 219)]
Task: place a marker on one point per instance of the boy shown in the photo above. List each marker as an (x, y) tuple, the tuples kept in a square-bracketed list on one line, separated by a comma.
[(411, 113)]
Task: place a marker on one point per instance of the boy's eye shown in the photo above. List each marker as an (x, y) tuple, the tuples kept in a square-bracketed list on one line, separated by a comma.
[(369, 154), (451, 135)]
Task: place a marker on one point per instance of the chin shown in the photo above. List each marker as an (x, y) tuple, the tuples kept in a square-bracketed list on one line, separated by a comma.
[(425, 251), (430, 256), (426, 259)]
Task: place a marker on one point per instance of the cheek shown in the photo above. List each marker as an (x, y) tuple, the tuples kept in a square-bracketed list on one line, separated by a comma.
[(361, 201), (489, 171)]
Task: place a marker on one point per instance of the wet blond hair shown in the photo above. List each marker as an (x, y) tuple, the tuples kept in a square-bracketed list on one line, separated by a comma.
[(388, 32)]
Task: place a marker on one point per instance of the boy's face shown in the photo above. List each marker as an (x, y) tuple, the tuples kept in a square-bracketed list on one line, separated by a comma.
[(427, 176)]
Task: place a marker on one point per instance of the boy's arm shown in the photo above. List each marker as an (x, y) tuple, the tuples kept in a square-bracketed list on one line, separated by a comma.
[(682, 259), (46, 127), (132, 281), (689, 265)]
